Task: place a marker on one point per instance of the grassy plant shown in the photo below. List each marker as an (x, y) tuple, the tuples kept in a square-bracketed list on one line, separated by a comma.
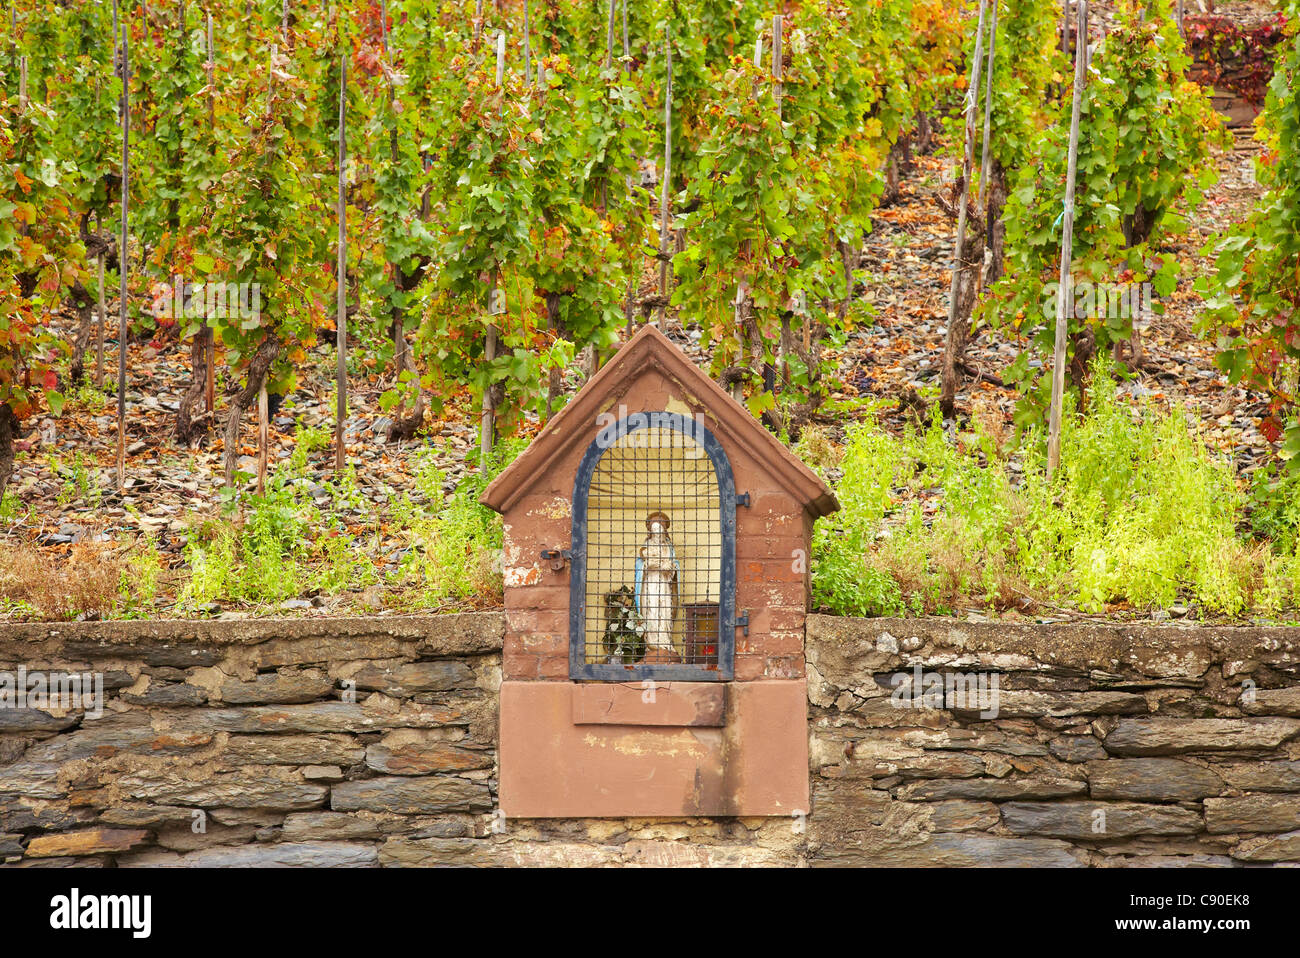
[(455, 547), (843, 580), (89, 397), (285, 546), (78, 483), (13, 510), (139, 579), (213, 564), (1274, 507), (1141, 515)]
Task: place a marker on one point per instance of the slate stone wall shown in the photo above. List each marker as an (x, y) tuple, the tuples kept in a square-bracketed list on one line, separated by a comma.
[(1112, 745), (369, 742), (296, 742)]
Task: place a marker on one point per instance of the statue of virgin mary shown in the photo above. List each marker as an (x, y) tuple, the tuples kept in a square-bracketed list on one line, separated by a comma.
[(656, 587)]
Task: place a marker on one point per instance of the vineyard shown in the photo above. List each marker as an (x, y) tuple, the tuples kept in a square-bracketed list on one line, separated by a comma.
[(283, 285)]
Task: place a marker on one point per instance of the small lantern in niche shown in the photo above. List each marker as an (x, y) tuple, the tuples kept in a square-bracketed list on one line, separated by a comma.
[(701, 632), (656, 542)]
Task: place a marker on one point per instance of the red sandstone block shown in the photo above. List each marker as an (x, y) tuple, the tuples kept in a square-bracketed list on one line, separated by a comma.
[(552, 594), (537, 620), (697, 704), (749, 667), (545, 643), (520, 620), (783, 667), (789, 548), (549, 505), (775, 505), (757, 764), (783, 642), (768, 571), (517, 664), (777, 619), (770, 643), (750, 477), (769, 527), (752, 596), (553, 667), (527, 533)]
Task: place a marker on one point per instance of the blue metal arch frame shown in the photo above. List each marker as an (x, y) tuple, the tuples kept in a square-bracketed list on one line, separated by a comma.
[(579, 668)]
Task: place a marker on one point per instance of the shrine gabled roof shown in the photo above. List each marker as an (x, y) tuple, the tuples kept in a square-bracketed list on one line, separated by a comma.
[(650, 350)]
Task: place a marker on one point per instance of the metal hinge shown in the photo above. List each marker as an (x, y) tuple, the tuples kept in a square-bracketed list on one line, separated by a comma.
[(742, 622), (557, 557), (742, 499)]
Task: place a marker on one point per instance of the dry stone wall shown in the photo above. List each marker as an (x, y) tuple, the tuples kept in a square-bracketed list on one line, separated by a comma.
[(1109, 745), (302, 742), (371, 742)]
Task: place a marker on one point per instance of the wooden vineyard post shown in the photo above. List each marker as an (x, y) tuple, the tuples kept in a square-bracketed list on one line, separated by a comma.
[(263, 426), (633, 280), (953, 341), (668, 175), (123, 262), (341, 273), (777, 64), (778, 68), (103, 311), (103, 307), (263, 436), (528, 57), (589, 353), (986, 154), (741, 301), (738, 320), (1067, 249), (397, 324), (487, 424), (609, 36), (209, 336)]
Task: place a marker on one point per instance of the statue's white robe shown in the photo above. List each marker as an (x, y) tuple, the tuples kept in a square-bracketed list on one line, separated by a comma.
[(656, 591)]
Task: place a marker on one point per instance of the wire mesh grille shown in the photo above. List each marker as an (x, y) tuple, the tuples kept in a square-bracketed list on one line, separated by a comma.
[(654, 553)]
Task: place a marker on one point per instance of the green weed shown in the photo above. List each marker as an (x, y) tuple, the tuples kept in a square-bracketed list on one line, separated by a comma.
[(1140, 515)]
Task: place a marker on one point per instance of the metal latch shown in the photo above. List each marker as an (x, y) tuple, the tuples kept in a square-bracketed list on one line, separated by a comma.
[(557, 557), (742, 499), (742, 621)]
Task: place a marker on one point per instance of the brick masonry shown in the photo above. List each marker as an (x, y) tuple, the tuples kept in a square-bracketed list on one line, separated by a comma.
[(1112, 745)]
